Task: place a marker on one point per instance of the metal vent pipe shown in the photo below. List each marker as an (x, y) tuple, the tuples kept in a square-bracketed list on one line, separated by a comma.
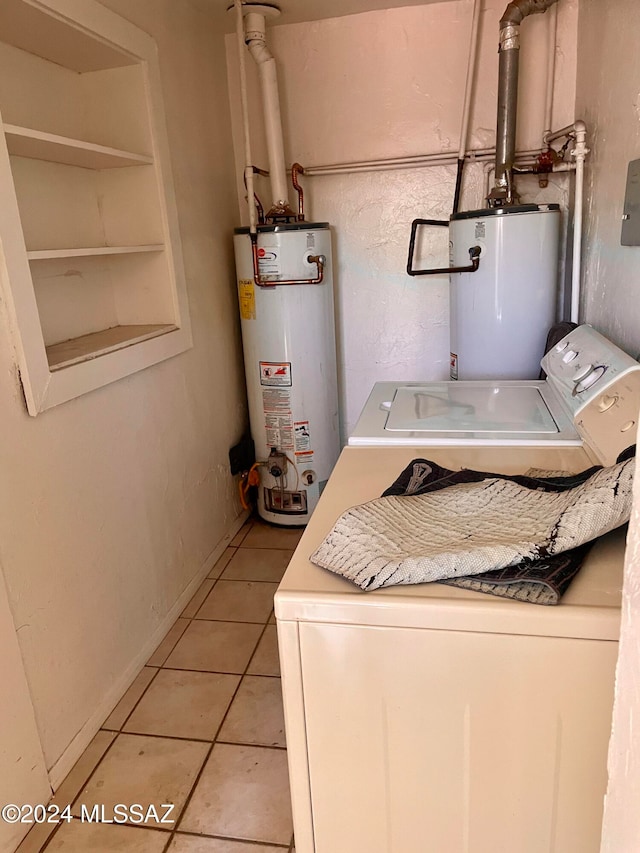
[(503, 192)]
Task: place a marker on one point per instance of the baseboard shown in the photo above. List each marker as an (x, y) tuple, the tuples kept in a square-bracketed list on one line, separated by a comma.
[(77, 746)]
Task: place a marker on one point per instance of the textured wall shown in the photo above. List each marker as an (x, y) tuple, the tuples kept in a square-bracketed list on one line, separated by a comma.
[(111, 504), (387, 84), (608, 96), (621, 824)]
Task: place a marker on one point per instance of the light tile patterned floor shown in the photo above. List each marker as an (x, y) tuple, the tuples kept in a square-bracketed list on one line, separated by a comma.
[(201, 727)]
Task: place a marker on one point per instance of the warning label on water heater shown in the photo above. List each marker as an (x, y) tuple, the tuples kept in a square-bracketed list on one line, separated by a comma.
[(302, 437), (276, 400), (247, 297), (279, 429), (275, 373), (453, 366)]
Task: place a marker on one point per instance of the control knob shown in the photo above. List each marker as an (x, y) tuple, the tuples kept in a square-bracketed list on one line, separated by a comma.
[(581, 372), (607, 401), (590, 379)]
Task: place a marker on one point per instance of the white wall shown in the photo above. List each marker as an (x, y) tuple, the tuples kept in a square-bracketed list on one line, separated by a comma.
[(110, 505), (384, 84), (608, 98), (23, 775)]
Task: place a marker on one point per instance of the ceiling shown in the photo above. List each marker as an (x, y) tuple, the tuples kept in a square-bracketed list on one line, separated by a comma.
[(295, 11)]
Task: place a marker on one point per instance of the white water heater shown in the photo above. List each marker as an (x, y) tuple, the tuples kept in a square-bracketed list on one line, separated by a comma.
[(288, 337), (501, 313)]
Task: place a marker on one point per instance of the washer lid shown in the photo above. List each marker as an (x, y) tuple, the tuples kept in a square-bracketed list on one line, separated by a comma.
[(478, 407), (470, 412)]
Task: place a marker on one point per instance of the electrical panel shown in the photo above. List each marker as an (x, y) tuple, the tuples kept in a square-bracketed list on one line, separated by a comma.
[(631, 215)]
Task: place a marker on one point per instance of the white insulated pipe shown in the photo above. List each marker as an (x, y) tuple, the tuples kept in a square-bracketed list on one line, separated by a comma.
[(578, 130), (579, 153), (552, 33), (569, 130), (255, 36), (415, 161), (468, 87), (248, 161)]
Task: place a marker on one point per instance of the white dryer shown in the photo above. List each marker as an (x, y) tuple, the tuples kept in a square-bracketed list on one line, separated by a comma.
[(434, 719)]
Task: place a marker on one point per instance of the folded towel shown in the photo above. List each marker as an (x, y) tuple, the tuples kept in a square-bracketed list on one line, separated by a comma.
[(434, 524)]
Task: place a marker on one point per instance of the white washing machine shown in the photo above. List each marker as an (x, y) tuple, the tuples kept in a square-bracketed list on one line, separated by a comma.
[(580, 368), (434, 719)]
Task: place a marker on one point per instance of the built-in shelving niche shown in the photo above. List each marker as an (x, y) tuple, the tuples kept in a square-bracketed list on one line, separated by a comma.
[(92, 265)]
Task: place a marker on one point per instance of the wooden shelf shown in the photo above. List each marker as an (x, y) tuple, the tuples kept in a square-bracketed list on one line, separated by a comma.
[(48, 254), (34, 30), (96, 344), (38, 145), (72, 208)]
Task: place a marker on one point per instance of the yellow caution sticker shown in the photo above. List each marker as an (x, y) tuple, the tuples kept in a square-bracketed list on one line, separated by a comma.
[(247, 296)]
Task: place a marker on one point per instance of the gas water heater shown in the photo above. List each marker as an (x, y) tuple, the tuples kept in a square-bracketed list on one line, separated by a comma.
[(502, 311), (290, 364)]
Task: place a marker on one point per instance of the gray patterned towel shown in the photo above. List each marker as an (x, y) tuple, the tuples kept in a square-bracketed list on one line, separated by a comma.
[(434, 524)]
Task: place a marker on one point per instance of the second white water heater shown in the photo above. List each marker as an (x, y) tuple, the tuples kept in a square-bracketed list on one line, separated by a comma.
[(288, 337), (501, 313)]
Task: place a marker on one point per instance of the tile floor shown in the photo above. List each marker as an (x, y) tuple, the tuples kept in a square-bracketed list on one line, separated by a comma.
[(201, 727)]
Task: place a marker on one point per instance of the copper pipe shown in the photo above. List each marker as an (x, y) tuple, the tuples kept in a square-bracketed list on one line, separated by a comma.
[(318, 260), (296, 170)]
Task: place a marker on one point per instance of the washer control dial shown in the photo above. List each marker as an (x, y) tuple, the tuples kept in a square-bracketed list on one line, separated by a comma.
[(562, 346), (569, 356), (581, 372), (590, 379)]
